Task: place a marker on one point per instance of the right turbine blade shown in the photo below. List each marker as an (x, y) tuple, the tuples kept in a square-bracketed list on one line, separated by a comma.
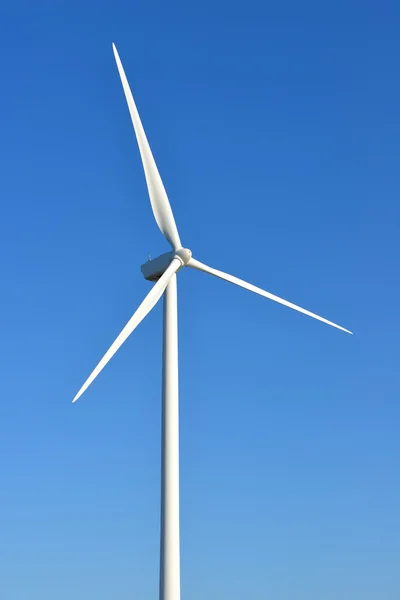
[(195, 264), (148, 303), (158, 196)]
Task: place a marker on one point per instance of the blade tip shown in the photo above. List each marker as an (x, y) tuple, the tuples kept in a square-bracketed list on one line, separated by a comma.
[(347, 331), (344, 329)]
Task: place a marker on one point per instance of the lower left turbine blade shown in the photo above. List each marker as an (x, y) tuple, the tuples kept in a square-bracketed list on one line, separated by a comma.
[(148, 303)]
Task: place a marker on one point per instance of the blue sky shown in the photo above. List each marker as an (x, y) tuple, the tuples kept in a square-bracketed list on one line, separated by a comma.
[(276, 132)]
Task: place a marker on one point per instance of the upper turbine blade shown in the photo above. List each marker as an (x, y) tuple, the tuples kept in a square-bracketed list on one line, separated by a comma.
[(248, 286), (158, 196), (151, 299)]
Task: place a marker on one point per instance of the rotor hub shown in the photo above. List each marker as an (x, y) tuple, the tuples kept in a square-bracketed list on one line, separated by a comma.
[(184, 255)]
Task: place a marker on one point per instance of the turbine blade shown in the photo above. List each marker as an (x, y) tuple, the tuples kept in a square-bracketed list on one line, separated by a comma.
[(148, 303), (158, 197), (195, 264)]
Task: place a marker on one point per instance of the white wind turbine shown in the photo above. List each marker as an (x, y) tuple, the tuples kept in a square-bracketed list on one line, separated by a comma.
[(162, 270)]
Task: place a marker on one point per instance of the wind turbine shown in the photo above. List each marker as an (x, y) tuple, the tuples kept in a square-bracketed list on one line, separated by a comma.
[(162, 270)]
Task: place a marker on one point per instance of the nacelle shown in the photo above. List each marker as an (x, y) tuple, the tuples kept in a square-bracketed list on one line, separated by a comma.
[(153, 269)]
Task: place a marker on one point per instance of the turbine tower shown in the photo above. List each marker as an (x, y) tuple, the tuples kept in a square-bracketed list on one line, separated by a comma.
[(162, 270)]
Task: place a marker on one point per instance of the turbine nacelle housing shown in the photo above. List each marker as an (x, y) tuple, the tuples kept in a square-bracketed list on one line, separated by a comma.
[(154, 268)]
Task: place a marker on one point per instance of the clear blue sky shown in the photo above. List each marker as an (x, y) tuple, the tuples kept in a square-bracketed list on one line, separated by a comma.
[(276, 131)]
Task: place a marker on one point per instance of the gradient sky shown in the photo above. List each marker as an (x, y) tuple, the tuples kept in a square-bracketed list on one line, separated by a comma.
[(276, 132)]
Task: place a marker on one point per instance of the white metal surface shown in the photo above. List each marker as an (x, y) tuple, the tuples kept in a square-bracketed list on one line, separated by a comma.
[(169, 538), (248, 286), (158, 196)]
